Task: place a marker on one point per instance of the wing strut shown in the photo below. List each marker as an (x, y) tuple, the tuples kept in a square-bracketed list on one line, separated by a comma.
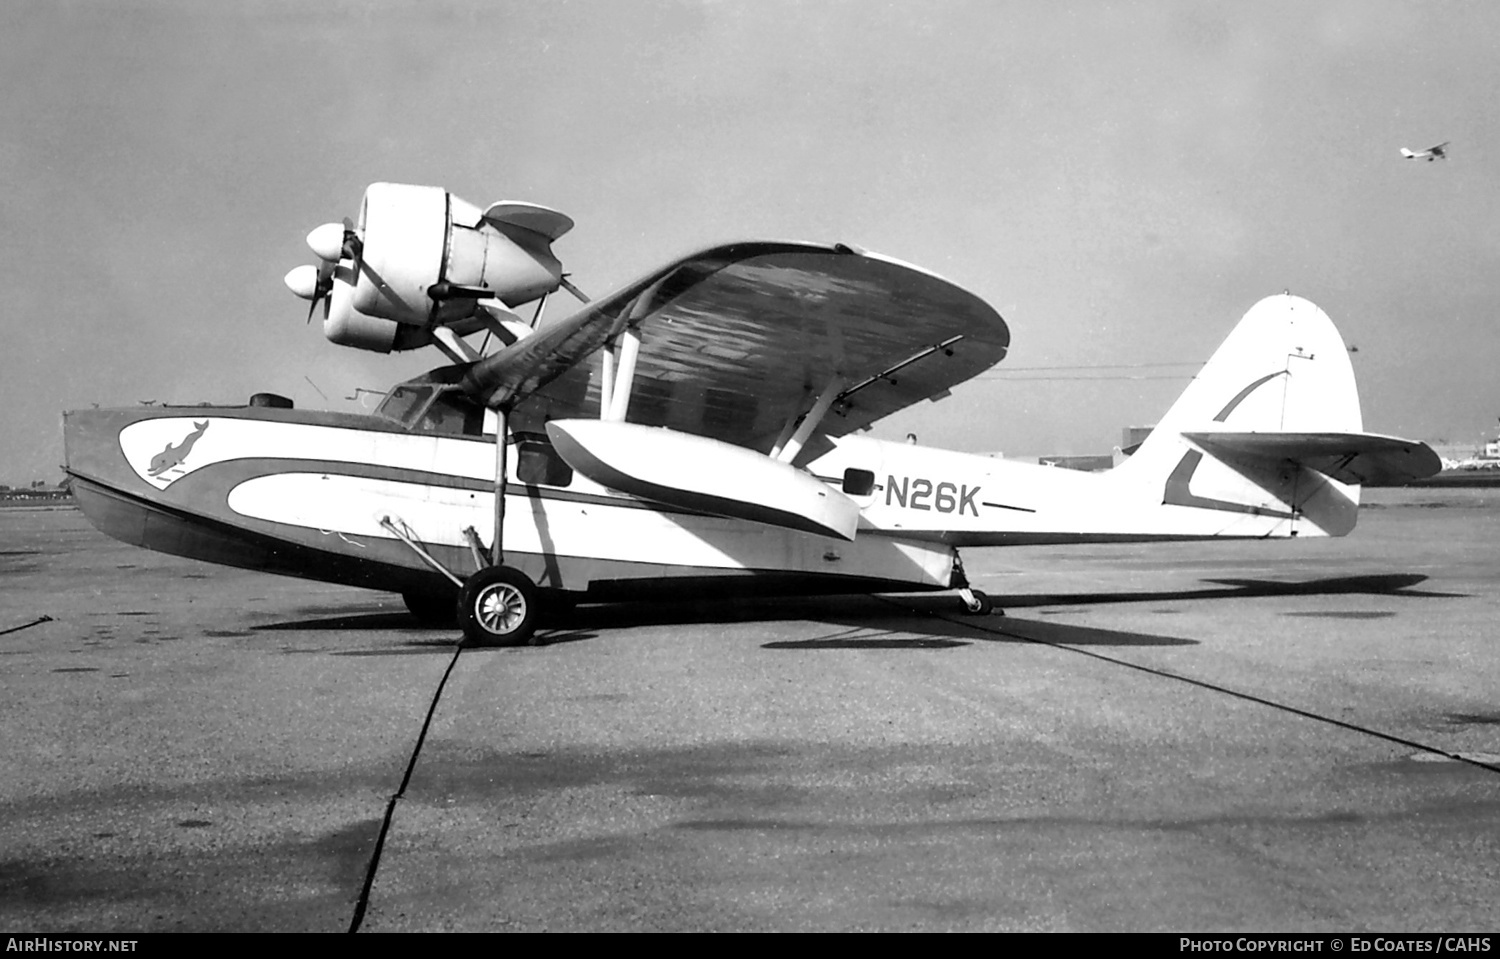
[(616, 382), (451, 343), (809, 421), (502, 440), (619, 397)]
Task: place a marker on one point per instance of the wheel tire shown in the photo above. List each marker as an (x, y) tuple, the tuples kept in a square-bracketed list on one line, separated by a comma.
[(498, 607), (434, 610), (982, 606)]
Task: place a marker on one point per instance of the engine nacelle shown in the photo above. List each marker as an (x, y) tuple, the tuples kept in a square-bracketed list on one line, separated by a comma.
[(420, 258), (414, 237), (347, 326)]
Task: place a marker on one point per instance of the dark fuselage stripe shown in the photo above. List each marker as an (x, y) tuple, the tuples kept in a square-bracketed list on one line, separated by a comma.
[(395, 474), (1018, 509), (1176, 491), (606, 475)]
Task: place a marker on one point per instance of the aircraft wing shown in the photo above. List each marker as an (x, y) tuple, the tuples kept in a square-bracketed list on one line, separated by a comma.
[(1370, 459), (738, 339)]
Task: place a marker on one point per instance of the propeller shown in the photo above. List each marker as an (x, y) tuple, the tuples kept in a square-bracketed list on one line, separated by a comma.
[(336, 241), (311, 283), (331, 242)]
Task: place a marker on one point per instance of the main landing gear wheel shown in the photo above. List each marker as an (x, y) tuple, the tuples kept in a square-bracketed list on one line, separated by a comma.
[(976, 603), (497, 607)]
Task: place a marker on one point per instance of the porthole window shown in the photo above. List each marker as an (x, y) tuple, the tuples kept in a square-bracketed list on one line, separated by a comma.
[(537, 464), (859, 482)]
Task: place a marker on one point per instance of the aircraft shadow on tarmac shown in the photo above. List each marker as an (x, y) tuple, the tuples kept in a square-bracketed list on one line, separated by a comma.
[(924, 621), (1377, 584), (868, 620), (351, 620)]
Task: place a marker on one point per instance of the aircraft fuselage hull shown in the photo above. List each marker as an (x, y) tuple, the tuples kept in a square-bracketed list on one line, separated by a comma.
[(314, 494)]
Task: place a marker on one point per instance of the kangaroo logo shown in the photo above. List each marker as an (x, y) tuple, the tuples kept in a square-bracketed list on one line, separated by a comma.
[(174, 454)]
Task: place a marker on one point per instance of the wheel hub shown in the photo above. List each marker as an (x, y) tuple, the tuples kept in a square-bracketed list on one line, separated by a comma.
[(500, 608)]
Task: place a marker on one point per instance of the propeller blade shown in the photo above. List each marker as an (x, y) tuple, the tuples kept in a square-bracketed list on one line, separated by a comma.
[(312, 283), (354, 247), (325, 288)]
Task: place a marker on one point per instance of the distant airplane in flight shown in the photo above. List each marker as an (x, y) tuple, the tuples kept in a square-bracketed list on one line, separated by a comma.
[(1439, 152)]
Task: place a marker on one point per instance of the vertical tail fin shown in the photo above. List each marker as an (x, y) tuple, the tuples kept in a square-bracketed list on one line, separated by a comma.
[(1283, 370)]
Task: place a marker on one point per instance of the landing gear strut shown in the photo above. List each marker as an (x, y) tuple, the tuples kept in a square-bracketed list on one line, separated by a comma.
[(498, 605), (973, 601)]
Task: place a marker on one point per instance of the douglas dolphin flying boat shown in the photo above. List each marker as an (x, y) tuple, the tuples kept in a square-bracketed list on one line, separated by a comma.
[(693, 433)]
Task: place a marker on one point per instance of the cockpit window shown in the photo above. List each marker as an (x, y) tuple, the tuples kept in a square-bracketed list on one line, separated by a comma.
[(424, 408), (537, 463), (403, 401)]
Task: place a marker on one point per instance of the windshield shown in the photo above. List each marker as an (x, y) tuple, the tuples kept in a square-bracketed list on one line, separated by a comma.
[(403, 401), (430, 408)]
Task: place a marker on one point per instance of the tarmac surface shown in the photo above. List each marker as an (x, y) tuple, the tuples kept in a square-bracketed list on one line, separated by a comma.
[(1277, 736)]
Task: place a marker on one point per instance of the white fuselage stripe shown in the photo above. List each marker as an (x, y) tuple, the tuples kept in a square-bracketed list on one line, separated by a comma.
[(354, 506)]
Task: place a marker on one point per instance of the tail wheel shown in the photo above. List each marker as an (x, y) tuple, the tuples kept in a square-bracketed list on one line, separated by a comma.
[(497, 607), (979, 605)]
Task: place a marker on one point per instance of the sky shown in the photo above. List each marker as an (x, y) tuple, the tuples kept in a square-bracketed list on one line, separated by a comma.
[(1122, 181)]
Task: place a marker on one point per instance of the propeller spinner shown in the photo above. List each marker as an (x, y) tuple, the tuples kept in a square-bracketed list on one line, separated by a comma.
[(311, 283), (331, 242)]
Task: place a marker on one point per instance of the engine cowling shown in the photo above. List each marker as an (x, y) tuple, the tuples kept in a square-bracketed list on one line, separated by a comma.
[(418, 236), (347, 326)]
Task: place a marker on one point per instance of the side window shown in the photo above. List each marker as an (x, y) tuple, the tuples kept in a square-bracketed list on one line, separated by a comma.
[(859, 482), (537, 464)]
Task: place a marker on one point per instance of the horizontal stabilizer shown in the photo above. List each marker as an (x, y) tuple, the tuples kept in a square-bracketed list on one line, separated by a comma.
[(1367, 459), (702, 474)]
